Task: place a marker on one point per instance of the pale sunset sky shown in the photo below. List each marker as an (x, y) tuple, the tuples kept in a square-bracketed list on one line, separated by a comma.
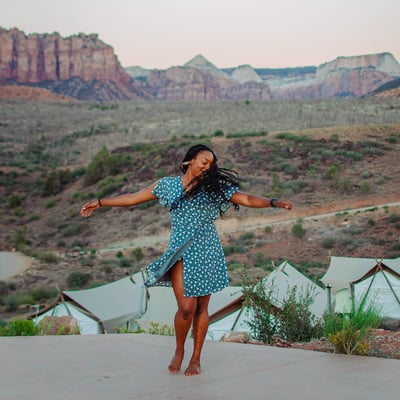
[(262, 33)]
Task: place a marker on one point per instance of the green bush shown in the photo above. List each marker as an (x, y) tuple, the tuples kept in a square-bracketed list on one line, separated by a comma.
[(19, 327), (349, 332), (137, 254), (291, 321), (15, 200), (44, 293), (328, 243), (105, 164), (76, 280), (298, 230)]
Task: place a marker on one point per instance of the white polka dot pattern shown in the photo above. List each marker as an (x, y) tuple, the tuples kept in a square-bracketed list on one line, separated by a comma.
[(204, 265)]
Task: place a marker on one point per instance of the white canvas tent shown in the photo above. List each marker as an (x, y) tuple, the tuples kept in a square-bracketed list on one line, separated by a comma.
[(380, 287), (113, 305), (88, 323), (344, 270), (284, 278)]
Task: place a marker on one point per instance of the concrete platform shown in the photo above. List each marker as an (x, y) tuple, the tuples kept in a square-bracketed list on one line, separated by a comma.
[(134, 366)]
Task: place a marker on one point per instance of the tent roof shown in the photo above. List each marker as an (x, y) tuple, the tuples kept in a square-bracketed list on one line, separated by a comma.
[(113, 303), (377, 268), (88, 324), (344, 270), (285, 277)]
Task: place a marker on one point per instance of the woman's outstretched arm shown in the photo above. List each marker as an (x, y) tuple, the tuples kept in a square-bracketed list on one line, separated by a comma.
[(124, 200), (249, 200)]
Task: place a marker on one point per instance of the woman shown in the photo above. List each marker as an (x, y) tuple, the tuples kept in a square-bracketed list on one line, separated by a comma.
[(194, 260)]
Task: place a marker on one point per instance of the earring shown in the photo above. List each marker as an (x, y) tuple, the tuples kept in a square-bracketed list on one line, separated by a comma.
[(186, 163)]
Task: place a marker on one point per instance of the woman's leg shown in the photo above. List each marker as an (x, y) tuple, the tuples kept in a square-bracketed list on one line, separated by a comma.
[(183, 317), (200, 328)]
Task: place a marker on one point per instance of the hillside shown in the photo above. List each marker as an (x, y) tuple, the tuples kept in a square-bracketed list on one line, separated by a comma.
[(55, 156)]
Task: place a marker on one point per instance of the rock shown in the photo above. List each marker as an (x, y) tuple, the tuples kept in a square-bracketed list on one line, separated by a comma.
[(236, 337), (65, 325), (390, 324)]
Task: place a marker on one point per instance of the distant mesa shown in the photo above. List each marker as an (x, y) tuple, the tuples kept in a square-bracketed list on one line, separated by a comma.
[(83, 67)]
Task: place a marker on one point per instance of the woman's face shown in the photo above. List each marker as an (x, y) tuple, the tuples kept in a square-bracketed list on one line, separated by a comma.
[(201, 163)]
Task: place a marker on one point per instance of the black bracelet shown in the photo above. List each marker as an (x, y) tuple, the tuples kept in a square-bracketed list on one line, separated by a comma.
[(273, 202), (99, 202)]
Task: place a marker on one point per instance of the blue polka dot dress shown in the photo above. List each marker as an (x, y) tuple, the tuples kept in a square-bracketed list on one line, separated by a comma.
[(194, 239)]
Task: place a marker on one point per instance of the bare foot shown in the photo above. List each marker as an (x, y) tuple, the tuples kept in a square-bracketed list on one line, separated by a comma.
[(175, 365), (193, 369)]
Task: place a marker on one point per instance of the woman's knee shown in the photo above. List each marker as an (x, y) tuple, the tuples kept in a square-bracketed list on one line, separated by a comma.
[(187, 309)]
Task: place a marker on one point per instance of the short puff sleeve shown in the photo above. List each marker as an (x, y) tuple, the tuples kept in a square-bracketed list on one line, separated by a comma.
[(229, 191), (162, 191)]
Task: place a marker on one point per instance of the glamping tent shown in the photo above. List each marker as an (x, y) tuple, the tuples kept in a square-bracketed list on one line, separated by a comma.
[(234, 317), (88, 323), (379, 287), (114, 305), (344, 270), (350, 278)]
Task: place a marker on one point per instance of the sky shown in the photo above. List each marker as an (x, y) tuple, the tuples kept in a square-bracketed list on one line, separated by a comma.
[(158, 34)]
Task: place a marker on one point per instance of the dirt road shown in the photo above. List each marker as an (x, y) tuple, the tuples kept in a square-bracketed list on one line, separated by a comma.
[(12, 263), (232, 224)]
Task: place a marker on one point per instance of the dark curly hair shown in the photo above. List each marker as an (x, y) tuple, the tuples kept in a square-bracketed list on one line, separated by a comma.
[(212, 181)]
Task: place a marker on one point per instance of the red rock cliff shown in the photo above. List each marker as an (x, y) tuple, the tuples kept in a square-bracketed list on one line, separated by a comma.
[(41, 57)]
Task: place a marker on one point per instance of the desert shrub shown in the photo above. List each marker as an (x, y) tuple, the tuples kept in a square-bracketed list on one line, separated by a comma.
[(55, 182), (365, 187), (77, 279), (33, 217), (4, 289), (349, 332), (137, 254), (298, 230), (218, 133), (50, 204), (248, 236), (15, 200), (161, 329), (333, 172), (48, 257), (328, 242), (44, 293), (124, 262), (228, 250), (292, 137), (105, 164), (292, 320), (268, 229), (394, 218), (297, 322), (19, 327), (11, 303), (19, 239), (75, 229)]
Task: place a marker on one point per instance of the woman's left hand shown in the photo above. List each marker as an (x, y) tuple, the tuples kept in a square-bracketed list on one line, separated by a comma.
[(287, 205)]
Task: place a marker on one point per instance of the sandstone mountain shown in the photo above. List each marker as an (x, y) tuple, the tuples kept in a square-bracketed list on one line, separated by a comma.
[(85, 68), (75, 66)]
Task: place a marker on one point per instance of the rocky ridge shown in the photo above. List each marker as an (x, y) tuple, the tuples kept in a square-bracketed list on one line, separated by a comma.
[(46, 60), (85, 68)]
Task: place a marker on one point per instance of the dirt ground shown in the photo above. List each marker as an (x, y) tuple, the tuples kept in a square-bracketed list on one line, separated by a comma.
[(382, 343)]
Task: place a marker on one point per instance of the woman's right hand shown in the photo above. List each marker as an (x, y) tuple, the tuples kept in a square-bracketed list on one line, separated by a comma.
[(88, 208)]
